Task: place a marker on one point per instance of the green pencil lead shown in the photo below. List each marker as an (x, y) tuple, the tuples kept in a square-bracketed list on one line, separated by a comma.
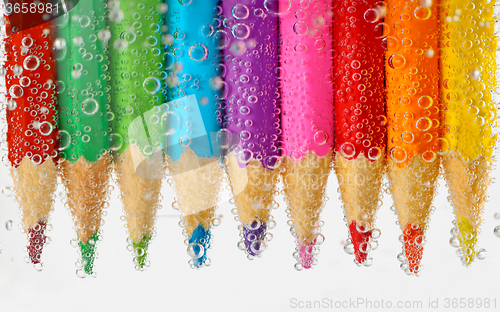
[(88, 253), (141, 251)]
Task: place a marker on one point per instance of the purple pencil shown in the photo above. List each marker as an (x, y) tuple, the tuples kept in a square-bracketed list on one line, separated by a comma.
[(249, 39)]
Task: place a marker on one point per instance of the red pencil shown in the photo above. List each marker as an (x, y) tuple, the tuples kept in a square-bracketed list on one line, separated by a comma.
[(359, 119), (31, 118)]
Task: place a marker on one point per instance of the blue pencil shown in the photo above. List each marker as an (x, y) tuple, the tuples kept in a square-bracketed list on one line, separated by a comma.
[(193, 119)]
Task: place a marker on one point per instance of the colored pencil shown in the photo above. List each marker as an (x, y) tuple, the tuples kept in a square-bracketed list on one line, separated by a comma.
[(83, 120), (32, 125), (306, 73), (252, 117), (413, 113), (468, 81), (360, 134), (137, 92), (195, 118)]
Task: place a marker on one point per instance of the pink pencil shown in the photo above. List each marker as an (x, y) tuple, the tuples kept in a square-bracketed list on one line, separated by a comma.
[(306, 73)]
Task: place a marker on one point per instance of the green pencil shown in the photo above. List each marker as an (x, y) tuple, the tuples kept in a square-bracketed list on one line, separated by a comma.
[(80, 47), (137, 67)]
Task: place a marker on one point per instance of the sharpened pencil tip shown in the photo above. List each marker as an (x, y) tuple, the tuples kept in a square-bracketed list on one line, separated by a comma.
[(140, 251), (88, 253), (413, 245), (36, 240), (255, 232), (307, 253), (468, 240), (360, 239), (199, 243)]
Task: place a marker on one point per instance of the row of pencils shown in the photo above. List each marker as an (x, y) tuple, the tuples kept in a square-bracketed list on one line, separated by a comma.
[(260, 91)]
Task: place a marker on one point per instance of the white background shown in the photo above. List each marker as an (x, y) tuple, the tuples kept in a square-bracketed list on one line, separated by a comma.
[(232, 282)]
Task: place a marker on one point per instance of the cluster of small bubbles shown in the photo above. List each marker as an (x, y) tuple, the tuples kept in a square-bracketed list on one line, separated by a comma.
[(306, 255), (139, 254), (368, 244), (85, 263)]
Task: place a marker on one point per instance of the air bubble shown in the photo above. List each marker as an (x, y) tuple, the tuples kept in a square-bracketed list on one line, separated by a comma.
[(371, 16), (398, 154), (347, 150), (240, 11), (195, 251), (90, 106), (31, 62), (241, 31), (151, 85)]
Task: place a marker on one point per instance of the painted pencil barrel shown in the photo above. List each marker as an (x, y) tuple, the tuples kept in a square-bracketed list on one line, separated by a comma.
[(31, 134), (359, 80), (306, 73), (360, 133), (193, 67), (252, 116), (136, 66), (82, 61), (195, 102), (307, 117), (468, 82), (250, 63), (412, 58)]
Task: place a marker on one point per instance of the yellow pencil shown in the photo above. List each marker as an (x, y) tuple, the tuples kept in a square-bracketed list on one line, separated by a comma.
[(468, 81)]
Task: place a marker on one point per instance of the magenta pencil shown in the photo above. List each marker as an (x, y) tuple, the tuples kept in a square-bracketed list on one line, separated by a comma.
[(306, 76)]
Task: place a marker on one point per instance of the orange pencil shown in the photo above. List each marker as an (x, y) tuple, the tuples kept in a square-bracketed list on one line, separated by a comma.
[(413, 113)]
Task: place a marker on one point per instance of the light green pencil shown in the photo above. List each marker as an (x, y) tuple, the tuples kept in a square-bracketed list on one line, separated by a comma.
[(137, 64)]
